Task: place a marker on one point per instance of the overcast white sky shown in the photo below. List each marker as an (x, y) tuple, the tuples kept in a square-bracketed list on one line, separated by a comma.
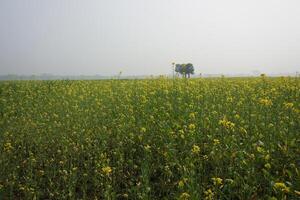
[(87, 37)]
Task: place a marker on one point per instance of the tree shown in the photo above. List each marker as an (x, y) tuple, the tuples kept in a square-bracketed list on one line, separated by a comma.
[(184, 69), (189, 68), (178, 69)]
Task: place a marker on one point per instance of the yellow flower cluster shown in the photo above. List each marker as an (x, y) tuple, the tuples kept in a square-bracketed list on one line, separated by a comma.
[(288, 105), (195, 149), (209, 195), (106, 170), (216, 141), (8, 147), (281, 187), (192, 127), (217, 181), (182, 182), (227, 124), (184, 196), (265, 102)]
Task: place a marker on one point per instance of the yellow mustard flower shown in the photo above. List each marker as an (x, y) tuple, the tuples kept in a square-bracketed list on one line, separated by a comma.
[(216, 141), (8, 147), (192, 126), (282, 187), (182, 182), (192, 115), (209, 195), (184, 196), (195, 149), (288, 105), (226, 123), (147, 147), (106, 170), (268, 165), (217, 181), (265, 102)]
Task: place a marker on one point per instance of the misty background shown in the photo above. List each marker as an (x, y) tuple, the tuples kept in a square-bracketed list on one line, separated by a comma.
[(142, 37)]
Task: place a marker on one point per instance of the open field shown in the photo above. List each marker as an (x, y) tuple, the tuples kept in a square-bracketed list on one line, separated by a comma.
[(221, 138)]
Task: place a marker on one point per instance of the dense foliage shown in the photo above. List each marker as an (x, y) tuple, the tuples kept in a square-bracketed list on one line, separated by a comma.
[(150, 139), (184, 69)]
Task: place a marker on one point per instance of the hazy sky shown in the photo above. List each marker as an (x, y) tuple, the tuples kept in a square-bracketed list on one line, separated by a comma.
[(145, 36)]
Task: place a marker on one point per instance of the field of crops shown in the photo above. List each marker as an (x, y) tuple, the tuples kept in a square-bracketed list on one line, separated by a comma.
[(221, 138)]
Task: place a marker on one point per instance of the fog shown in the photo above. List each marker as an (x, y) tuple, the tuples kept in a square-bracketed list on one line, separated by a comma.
[(142, 37)]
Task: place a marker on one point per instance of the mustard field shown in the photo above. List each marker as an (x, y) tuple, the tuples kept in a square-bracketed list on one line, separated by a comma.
[(204, 138)]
